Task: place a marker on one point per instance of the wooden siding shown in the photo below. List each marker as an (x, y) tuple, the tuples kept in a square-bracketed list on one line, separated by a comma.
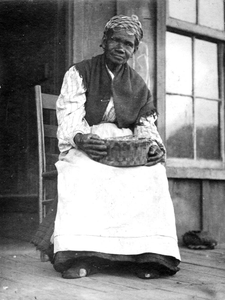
[(186, 196), (199, 205), (213, 200), (89, 18)]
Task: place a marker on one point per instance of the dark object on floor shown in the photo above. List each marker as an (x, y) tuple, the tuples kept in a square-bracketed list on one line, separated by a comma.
[(146, 274), (199, 240), (80, 270)]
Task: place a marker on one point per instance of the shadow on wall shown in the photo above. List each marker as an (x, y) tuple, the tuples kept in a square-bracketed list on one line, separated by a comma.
[(32, 41), (180, 144)]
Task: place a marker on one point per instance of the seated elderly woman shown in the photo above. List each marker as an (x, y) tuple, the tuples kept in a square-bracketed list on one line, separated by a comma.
[(111, 214)]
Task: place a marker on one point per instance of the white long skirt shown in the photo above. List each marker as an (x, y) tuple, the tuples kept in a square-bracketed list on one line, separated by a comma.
[(113, 210)]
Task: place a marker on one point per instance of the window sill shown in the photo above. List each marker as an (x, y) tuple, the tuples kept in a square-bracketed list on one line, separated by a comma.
[(190, 170)]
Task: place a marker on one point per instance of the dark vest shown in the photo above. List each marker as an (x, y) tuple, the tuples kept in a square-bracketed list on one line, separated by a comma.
[(131, 96)]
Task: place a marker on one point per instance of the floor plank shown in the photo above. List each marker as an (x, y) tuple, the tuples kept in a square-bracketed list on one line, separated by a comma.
[(24, 276), (213, 259)]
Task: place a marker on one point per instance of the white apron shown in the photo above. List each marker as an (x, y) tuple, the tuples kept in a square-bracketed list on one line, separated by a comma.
[(113, 210)]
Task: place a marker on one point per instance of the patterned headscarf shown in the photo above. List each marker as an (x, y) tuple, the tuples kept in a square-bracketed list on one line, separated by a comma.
[(132, 25)]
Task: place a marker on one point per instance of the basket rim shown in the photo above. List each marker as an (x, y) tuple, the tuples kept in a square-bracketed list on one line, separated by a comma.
[(127, 139)]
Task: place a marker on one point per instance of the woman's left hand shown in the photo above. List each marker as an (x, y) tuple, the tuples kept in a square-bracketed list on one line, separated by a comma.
[(156, 154)]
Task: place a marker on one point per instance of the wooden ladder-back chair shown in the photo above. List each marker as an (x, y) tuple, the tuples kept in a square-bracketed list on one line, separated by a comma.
[(47, 148)]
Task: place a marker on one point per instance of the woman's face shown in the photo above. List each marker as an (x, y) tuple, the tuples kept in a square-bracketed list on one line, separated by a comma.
[(119, 47)]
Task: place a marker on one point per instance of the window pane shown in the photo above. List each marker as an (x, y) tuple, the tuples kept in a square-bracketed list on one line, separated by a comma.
[(207, 129), (178, 64), (184, 10), (211, 13), (179, 127), (206, 69)]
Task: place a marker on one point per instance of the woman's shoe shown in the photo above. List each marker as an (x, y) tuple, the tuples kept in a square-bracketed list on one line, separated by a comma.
[(79, 270), (147, 274)]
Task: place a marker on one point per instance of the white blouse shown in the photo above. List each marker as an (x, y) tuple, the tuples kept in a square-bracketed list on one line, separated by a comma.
[(70, 109)]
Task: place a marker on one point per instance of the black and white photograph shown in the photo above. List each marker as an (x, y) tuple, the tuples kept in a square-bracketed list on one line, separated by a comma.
[(112, 149)]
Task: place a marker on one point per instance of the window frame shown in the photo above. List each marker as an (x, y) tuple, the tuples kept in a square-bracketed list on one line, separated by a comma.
[(176, 167)]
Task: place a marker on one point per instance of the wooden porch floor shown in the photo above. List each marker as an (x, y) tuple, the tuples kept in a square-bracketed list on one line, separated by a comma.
[(24, 276)]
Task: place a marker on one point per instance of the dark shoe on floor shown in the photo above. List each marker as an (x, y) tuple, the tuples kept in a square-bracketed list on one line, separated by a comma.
[(79, 270), (147, 274), (199, 240)]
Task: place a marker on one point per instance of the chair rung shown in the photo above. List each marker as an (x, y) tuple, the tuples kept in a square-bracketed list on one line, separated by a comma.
[(50, 174), (47, 200)]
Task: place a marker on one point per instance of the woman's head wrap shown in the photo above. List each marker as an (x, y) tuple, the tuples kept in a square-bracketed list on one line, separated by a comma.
[(132, 25)]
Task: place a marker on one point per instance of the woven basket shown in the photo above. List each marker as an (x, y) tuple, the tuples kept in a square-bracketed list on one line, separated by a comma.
[(126, 151)]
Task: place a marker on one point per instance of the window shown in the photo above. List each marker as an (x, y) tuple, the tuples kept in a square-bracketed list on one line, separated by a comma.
[(209, 13), (192, 102), (191, 63)]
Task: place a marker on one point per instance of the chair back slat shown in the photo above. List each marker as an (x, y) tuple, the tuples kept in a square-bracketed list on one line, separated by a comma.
[(47, 146), (50, 131), (49, 101)]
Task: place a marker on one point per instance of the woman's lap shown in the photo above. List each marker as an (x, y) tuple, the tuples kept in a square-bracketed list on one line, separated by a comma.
[(131, 213)]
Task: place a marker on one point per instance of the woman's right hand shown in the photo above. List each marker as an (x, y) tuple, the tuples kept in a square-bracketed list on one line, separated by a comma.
[(91, 144)]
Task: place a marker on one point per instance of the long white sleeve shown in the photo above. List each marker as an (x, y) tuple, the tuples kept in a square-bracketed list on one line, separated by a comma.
[(70, 110), (147, 128)]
